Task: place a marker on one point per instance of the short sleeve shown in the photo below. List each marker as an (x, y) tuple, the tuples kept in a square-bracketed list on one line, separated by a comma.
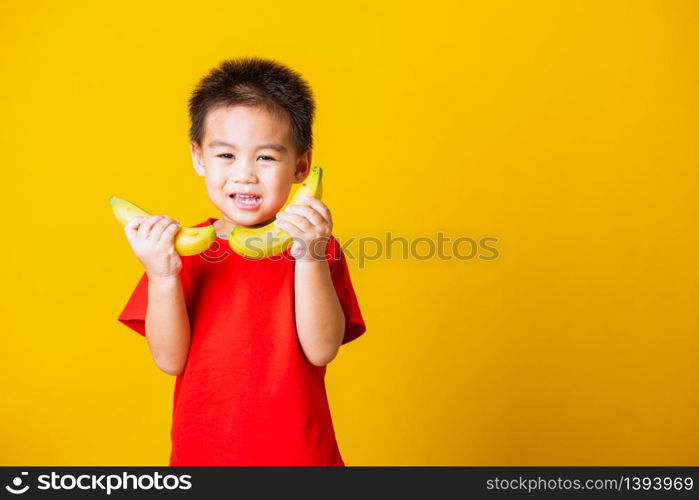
[(134, 313), (354, 322)]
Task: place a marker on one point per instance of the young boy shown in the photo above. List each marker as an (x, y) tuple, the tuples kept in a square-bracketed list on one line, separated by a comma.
[(248, 339)]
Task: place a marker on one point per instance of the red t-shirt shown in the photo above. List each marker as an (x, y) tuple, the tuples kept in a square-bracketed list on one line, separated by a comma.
[(248, 395)]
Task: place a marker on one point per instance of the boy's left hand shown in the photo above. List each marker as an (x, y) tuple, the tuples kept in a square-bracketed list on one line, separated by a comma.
[(310, 226)]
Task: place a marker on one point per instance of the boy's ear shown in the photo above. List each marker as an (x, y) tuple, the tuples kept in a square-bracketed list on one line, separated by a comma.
[(303, 166), (197, 158)]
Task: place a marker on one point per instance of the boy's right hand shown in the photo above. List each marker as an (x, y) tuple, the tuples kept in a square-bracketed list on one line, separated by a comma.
[(153, 241)]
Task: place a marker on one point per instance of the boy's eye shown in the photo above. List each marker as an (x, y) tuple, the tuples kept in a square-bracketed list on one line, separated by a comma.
[(228, 156)]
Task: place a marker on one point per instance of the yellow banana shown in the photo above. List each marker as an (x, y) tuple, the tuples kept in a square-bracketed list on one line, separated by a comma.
[(189, 240), (269, 240)]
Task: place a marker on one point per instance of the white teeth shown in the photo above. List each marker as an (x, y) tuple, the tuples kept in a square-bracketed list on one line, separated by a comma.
[(247, 199)]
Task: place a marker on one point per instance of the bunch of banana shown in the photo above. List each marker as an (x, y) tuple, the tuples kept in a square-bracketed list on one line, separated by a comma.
[(269, 240), (189, 240), (265, 241)]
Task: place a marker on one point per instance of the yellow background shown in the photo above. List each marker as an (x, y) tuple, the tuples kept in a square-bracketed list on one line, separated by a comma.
[(568, 130)]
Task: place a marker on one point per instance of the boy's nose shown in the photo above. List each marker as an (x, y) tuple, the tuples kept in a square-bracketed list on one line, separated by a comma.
[(244, 175)]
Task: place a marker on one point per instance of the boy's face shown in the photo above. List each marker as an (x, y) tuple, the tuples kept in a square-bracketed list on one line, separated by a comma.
[(248, 162)]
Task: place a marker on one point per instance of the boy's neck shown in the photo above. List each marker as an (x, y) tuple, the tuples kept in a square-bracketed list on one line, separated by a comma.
[(223, 227)]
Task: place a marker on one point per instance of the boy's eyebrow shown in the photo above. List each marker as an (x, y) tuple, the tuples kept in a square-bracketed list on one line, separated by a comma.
[(270, 145)]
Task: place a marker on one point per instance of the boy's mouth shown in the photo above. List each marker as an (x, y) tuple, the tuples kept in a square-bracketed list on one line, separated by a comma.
[(245, 201)]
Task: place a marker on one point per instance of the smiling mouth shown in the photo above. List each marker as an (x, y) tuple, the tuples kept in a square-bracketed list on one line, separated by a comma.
[(245, 201), (245, 198)]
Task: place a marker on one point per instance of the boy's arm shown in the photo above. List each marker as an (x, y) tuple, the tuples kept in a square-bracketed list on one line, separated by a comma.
[(167, 324), (320, 320)]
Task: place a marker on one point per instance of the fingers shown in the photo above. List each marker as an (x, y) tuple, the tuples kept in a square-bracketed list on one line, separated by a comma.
[(169, 233), (308, 213), (147, 225), (150, 228), (289, 227), (299, 221), (131, 228), (310, 226), (158, 228), (320, 207), (306, 217)]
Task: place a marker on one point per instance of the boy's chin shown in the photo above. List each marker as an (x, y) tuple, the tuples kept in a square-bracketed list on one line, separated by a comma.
[(260, 224), (251, 221)]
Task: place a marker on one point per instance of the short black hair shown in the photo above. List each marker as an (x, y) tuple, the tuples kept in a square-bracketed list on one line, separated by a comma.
[(260, 82)]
